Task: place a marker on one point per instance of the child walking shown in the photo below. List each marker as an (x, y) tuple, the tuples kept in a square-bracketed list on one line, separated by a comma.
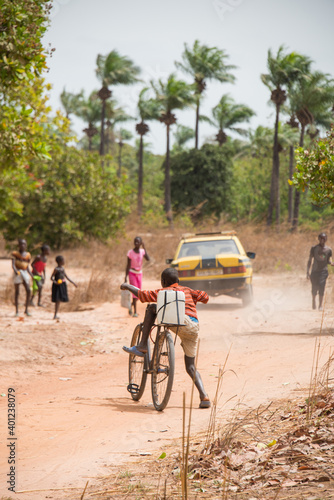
[(134, 269), (38, 272), (22, 274), (59, 285)]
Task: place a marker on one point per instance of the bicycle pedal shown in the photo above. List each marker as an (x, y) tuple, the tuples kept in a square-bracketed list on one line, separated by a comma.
[(133, 388), (163, 370)]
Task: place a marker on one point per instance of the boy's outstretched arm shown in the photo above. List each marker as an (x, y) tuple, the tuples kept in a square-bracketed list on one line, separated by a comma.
[(131, 288)]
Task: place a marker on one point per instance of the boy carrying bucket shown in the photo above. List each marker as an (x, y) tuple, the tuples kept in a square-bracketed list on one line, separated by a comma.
[(188, 332)]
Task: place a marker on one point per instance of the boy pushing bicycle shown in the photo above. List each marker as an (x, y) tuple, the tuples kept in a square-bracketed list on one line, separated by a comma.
[(188, 332)]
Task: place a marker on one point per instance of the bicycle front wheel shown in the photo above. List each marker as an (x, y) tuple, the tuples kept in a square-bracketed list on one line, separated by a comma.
[(137, 368), (163, 369)]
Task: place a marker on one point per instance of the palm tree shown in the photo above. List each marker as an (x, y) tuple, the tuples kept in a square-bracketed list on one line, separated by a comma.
[(227, 114), (182, 136), (284, 69), (114, 115), (204, 63), (123, 135), (89, 110), (174, 94), (259, 143), (148, 109), (311, 101), (71, 102), (294, 125), (113, 69)]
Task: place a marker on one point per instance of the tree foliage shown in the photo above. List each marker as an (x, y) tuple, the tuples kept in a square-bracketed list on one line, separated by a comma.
[(23, 24), (22, 62), (114, 69), (315, 170), (23, 105), (73, 200), (201, 180)]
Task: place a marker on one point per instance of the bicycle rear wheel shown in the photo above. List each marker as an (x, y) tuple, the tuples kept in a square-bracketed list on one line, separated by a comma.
[(137, 368), (163, 369)]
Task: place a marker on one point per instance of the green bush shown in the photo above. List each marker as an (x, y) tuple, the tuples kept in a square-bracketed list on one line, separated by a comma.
[(74, 199), (201, 180)]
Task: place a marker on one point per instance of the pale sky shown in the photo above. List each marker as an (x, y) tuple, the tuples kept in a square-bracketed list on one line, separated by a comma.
[(152, 33)]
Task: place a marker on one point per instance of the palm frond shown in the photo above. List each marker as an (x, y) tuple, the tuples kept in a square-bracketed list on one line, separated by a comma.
[(206, 63), (114, 69)]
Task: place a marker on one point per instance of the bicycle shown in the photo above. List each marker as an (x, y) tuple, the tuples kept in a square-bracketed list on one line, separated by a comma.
[(160, 366)]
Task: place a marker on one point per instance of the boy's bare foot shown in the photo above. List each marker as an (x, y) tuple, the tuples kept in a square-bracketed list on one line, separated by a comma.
[(27, 313), (40, 305), (56, 317)]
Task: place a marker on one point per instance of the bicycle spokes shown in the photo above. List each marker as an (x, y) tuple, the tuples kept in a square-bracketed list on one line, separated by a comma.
[(137, 369), (163, 370)]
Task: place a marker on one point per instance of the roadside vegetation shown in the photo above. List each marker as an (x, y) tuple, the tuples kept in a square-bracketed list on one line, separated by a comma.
[(277, 451), (64, 189)]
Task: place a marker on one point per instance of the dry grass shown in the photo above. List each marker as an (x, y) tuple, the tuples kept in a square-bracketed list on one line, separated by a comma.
[(7, 292), (271, 452), (100, 288), (276, 251)]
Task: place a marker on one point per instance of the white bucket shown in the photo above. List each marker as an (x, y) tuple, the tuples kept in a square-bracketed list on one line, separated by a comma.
[(171, 307)]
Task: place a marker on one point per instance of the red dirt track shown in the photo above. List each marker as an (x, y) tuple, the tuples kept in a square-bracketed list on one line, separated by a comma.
[(74, 416)]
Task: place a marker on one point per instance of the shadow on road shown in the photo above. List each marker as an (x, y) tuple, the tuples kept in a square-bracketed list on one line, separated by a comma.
[(123, 405), (328, 332)]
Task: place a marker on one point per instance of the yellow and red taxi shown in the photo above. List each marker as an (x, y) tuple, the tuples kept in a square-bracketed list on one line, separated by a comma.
[(216, 263)]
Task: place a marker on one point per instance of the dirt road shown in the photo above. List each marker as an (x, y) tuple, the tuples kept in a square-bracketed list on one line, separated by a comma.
[(74, 416)]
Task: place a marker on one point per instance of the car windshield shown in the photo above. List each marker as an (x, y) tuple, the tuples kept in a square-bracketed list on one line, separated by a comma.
[(208, 249)]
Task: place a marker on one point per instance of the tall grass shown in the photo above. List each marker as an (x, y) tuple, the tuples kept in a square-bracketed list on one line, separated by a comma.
[(99, 288), (276, 252)]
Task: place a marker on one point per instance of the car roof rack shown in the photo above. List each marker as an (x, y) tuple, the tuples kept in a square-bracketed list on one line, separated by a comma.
[(221, 233)]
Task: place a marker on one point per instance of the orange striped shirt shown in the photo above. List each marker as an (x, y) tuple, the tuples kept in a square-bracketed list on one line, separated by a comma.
[(191, 296)]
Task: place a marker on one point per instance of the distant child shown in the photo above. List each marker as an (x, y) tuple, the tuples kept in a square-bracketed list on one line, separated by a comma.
[(22, 274), (38, 272), (321, 255), (134, 269), (59, 285)]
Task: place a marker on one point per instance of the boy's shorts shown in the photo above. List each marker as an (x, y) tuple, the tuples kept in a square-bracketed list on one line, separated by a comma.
[(188, 334), (24, 276)]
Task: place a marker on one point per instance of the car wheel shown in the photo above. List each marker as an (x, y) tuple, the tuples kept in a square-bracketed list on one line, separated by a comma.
[(247, 296)]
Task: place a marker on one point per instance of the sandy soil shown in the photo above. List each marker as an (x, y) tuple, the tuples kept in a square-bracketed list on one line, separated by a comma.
[(74, 416)]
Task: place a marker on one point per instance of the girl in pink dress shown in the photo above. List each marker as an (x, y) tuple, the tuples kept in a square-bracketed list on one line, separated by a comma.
[(134, 269)]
